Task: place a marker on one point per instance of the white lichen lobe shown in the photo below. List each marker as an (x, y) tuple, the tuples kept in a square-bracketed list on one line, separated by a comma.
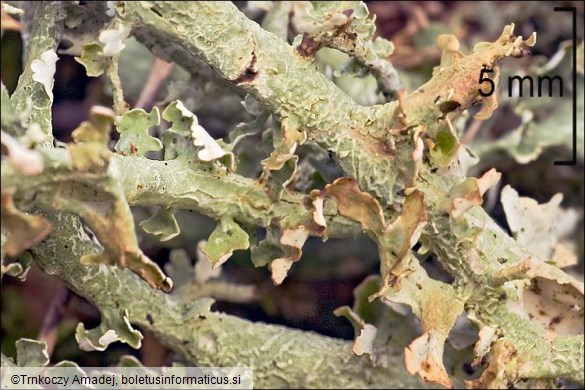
[(112, 41), (44, 70), (211, 149)]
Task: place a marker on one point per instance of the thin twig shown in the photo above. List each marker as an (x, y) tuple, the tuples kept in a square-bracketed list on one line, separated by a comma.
[(120, 106), (53, 317), (160, 71), (471, 132)]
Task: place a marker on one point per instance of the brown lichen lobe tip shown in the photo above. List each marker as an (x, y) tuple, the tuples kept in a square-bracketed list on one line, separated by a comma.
[(308, 47), (166, 285), (348, 12), (249, 74)]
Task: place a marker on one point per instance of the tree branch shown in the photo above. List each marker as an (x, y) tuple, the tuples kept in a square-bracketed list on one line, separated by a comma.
[(280, 357), (171, 184)]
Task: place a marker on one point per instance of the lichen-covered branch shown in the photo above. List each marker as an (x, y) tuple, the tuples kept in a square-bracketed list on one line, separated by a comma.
[(170, 184), (36, 82), (345, 26), (280, 357)]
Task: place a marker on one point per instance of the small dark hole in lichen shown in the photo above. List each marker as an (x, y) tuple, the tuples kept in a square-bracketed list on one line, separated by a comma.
[(449, 106), (555, 320), (156, 12), (65, 44), (468, 369)]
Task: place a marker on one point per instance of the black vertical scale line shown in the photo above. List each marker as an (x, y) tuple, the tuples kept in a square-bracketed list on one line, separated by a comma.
[(573, 10)]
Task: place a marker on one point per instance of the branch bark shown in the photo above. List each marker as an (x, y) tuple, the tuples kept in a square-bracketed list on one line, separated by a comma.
[(280, 357)]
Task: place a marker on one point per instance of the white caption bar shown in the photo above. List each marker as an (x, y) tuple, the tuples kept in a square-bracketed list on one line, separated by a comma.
[(126, 378)]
